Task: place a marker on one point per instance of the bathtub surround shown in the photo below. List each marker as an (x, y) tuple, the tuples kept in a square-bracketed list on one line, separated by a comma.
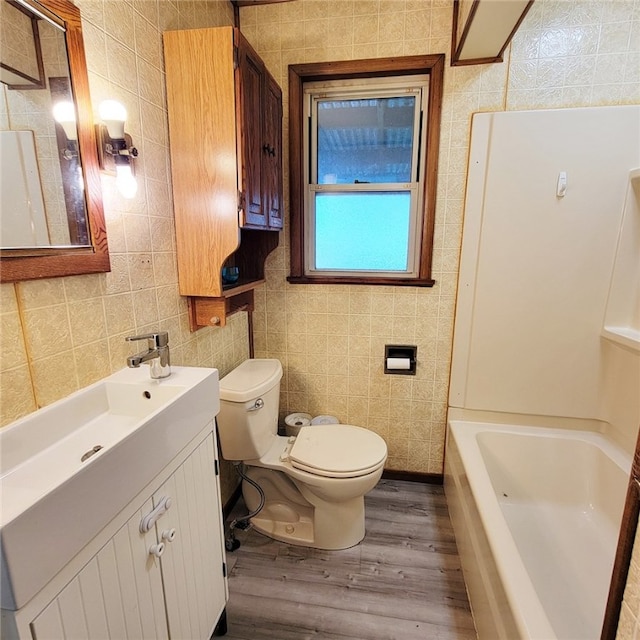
[(546, 262), (545, 258)]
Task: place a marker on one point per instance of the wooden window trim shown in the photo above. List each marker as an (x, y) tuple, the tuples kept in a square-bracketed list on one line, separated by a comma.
[(299, 74)]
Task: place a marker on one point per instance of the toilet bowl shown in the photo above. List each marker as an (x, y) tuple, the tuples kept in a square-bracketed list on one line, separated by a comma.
[(314, 483)]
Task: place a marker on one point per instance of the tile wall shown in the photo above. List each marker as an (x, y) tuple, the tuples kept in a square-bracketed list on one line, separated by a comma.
[(331, 338)]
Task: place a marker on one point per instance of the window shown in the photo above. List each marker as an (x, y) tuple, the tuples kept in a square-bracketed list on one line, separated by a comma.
[(363, 156)]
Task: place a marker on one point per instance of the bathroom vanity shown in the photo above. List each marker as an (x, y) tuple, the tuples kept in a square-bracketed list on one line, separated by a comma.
[(129, 542)]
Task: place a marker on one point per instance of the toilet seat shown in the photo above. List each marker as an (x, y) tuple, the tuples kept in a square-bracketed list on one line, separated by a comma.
[(337, 451)]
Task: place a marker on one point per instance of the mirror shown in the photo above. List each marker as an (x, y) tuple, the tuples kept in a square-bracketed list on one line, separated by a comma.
[(51, 216)]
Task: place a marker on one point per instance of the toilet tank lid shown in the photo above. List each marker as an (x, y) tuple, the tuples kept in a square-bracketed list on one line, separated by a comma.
[(250, 380)]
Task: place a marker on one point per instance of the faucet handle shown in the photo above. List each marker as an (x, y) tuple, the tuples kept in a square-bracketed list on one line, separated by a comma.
[(156, 340)]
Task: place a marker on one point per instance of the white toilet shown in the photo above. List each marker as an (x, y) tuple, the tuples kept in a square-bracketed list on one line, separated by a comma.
[(314, 483)]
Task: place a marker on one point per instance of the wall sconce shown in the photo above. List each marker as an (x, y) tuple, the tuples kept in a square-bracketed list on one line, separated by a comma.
[(64, 113), (115, 147)]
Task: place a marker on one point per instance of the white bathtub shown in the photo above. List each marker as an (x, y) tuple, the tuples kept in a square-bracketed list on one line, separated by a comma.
[(536, 513)]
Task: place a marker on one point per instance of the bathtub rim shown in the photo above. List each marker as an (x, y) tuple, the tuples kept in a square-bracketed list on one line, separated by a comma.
[(625, 442), (462, 429)]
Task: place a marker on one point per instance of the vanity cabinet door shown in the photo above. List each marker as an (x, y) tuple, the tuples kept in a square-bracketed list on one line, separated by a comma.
[(117, 595), (193, 559)]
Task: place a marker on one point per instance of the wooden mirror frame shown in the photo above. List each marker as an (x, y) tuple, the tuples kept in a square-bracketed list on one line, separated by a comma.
[(50, 262)]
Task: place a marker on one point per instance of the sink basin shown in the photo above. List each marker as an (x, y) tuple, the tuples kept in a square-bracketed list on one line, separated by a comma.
[(69, 468)]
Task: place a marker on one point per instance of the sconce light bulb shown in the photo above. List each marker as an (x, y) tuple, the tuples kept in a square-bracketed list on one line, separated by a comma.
[(114, 115), (64, 114), (126, 181)]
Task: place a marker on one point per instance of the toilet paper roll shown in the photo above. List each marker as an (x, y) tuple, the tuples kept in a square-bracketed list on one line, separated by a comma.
[(325, 420), (398, 364), (298, 420)]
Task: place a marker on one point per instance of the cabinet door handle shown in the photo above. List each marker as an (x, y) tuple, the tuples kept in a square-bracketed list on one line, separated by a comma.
[(169, 535), (157, 550), (146, 524)]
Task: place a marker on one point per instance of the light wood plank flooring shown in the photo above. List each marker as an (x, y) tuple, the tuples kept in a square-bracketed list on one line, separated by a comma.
[(402, 582)]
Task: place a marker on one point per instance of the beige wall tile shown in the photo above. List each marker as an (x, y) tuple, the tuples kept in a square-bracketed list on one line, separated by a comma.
[(87, 321), (54, 377), (47, 330), (36, 294), (12, 347), (16, 394)]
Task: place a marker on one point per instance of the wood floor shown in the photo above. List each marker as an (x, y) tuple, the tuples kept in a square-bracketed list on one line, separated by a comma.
[(402, 582)]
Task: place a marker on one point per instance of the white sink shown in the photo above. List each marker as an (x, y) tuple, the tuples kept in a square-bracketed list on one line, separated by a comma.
[(53, 503)]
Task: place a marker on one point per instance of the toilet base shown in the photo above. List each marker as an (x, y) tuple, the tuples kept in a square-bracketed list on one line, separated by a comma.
[(299, 533), (294, 515)]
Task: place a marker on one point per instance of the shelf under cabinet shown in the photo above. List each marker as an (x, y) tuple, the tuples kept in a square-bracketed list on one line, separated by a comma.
[(213, 312)]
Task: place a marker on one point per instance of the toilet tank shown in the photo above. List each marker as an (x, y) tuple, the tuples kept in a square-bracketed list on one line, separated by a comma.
[(246, 431)]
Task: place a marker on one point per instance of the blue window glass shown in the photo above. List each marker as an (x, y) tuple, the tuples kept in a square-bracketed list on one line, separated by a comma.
[(365, 231)]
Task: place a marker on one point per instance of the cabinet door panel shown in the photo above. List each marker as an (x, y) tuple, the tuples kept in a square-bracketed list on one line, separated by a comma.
[(146, 572), (94, 606), (72, 611), (124, 564), (116, 596), (112, 596), (48, 624), (272, 178), (250, 73), (192, 564)]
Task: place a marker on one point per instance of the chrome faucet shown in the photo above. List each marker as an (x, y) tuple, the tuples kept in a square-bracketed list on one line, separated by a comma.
[(157, 354)]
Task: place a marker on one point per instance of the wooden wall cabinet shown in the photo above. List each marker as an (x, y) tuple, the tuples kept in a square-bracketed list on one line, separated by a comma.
[(225, 129)]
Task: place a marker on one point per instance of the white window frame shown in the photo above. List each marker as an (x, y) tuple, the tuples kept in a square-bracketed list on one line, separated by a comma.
[(394, 86)]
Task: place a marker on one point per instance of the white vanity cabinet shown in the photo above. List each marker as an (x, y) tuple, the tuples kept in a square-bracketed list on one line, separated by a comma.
[(158, 571)]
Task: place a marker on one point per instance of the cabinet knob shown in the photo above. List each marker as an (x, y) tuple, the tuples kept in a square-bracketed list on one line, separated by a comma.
[(169, 535), (157, 549), (214, 320)]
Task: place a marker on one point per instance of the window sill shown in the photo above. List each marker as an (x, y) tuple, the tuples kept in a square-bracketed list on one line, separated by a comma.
[(398, 282)]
